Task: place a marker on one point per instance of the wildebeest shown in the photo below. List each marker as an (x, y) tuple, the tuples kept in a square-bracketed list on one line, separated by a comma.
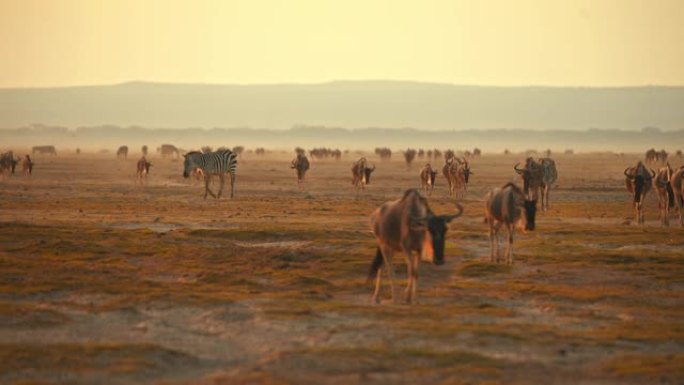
[(507, 206), (7, 162), (238, 150), (457, 173), (361, 173), (122, 152), (143, 168), (27, 165), (301, 165), (144, 150), (407, 225), (638, 182), (532, 176), (260, 151), (383, 152), (663, 189), (214, 163), (677, 184), (44, 150), (409, 155), (168, 150), (427, 178)]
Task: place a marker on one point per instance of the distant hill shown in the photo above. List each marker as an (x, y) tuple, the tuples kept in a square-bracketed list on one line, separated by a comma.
[(350, 104)]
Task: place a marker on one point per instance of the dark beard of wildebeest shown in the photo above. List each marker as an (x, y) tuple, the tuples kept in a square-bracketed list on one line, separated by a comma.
[(367, 172), (530, 214), (407, 225)]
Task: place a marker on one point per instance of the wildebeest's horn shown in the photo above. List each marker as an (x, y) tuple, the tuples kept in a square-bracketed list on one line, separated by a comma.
[(449, 218), (518, 170), (626, 174)]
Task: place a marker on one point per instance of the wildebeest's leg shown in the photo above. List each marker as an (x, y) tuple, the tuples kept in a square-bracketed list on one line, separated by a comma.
[(413, 261), (493, 241), (378, 279), (387, 256), (678, 199), (510, 227)]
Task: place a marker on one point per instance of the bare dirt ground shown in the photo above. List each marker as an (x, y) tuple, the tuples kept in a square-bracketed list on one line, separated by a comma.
[(104, 280)]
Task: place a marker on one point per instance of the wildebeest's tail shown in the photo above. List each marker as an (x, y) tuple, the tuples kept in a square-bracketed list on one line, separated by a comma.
[(376, 265)]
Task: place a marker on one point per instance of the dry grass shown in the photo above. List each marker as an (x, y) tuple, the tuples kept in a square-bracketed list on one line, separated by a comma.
[(106, 281)]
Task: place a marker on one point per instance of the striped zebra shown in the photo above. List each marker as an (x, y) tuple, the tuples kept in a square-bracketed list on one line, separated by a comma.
[(212, 163)]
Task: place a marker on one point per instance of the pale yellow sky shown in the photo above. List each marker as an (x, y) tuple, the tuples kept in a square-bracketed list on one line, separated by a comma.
[(492, 42)]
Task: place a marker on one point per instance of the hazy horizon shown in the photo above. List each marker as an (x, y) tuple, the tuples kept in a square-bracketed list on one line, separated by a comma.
[(333, 81)]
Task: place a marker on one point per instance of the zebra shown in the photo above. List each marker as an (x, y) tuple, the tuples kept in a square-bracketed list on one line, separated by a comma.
[(212, 163)]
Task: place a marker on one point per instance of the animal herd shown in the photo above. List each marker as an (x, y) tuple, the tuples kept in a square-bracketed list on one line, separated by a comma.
[(408, 225)]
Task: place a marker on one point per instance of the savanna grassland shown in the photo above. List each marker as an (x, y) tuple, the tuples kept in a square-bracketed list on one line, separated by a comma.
[(107, 281)]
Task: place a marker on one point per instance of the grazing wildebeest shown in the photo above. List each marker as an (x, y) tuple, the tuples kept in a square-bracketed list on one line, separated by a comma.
[(407, 225), (301, 165), (238, 150), (27, 165), (409, 155), (214, 163), (457, 173), (507, 206), (168, 150), (361, 173), (8, 162), (336, 153), (663, 189), (477, 153), (677, 184), (532, 176), (638, 181), (44, 150), (122, 152), (143, 168), (427, 178), (661, 156), (383, 152), (449, 168), (549, 177)]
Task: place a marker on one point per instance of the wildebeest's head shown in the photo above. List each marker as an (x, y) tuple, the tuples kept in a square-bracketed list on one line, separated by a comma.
[(466, 170), (436, 228), (530, 213), (639, 176), (526, 174), (367, 173)]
